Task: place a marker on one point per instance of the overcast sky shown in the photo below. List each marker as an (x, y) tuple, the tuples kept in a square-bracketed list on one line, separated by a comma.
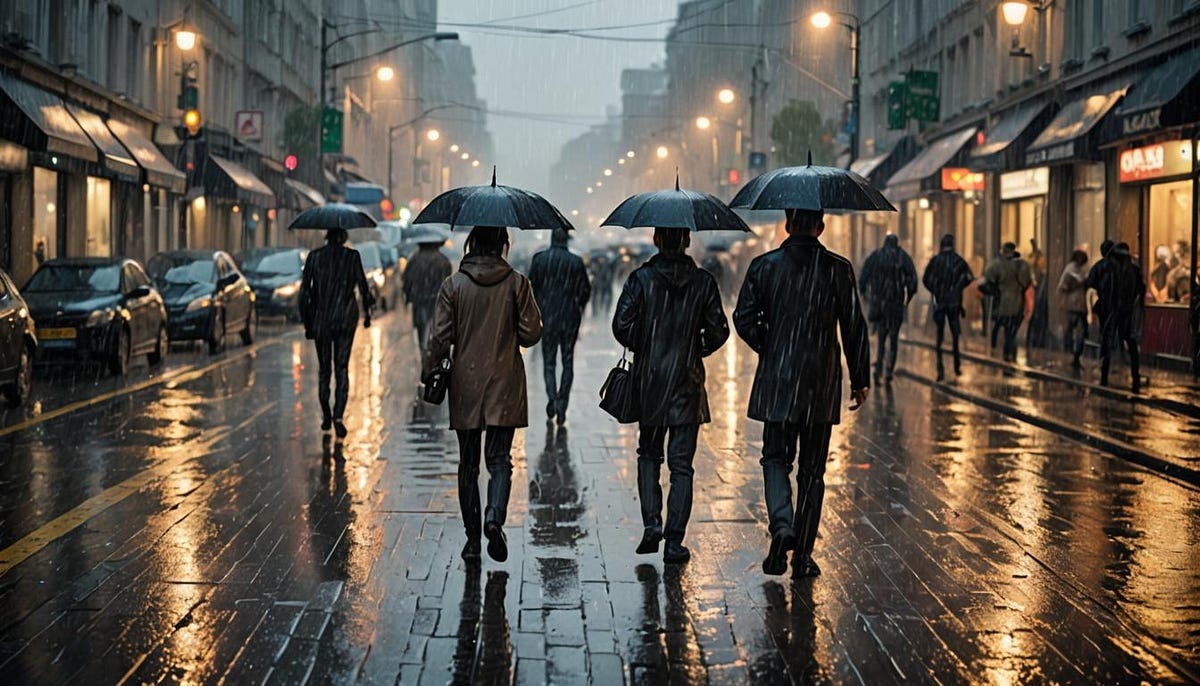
[(565, 78)]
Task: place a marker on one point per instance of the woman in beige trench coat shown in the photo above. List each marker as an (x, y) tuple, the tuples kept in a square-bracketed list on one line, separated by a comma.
[(485, 313)]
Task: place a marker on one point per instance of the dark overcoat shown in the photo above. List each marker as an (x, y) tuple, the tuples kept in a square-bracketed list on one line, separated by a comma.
[(332, 275), (423, 276), (889, 281), (946, 275), (560, 284)]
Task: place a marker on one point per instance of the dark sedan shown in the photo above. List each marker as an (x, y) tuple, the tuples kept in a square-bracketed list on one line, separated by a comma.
[(97, 308), (18, 343), (274, 274), (207, 297)]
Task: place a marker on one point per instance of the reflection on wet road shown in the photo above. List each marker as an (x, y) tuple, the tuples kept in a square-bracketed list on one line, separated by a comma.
[(201, 530)]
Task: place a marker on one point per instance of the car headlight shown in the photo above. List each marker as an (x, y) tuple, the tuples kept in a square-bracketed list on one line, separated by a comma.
[(377, 277), (100, 317), (285, 291), (199, 304)]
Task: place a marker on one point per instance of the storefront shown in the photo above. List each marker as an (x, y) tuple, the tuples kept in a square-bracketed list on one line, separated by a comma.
[(112, 218), (230, 212), (1023, 210), (867, 229), (161, 188)]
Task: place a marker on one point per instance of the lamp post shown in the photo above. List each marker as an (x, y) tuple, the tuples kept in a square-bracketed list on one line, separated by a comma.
[(823, 20), (432, 135)]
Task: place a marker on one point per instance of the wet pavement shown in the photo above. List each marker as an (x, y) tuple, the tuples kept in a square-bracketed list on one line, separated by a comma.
[(198, 529)]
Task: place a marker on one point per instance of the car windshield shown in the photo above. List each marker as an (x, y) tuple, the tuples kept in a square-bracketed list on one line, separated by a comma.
[(167, 270), (89, 278), (275, 263), (370, 257)]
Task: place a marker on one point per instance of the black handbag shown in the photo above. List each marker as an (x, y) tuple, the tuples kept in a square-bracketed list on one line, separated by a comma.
[(436, 384), (618, 397)]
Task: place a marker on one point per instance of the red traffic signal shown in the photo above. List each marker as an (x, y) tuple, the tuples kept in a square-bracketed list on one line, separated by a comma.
[(735, 176), (291, 162)]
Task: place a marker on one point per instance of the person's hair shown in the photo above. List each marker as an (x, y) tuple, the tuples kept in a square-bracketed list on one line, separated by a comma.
[(804, 222), (559, 236), (947, 241), (487, 240), (671, 241), (1008, 247), (338, 236), (1079, 256), (1106, 247)]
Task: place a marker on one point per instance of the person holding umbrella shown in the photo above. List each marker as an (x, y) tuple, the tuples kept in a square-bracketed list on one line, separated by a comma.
[(333, 274), (794, 303), (669, 315), (560, 282), (426, 271)]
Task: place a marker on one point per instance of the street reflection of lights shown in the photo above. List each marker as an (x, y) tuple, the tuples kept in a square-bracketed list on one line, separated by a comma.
[(608, 172), (703, 123), (662, 152), (454, 148), (821, 20)]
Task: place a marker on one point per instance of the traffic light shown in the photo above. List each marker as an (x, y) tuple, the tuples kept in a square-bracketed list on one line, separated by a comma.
[(734, 176), (192, 122)]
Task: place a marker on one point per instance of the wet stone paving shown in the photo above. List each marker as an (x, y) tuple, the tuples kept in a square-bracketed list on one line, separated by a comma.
[(191, 525)]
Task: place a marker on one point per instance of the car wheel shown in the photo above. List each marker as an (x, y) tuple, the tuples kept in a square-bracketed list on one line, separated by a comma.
[(119, 363), (160, 350), (251, 325), (17, 392), (216, 337)]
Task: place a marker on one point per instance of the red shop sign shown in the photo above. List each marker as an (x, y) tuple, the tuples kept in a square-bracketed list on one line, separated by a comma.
[(1142, 163), (961, 179)]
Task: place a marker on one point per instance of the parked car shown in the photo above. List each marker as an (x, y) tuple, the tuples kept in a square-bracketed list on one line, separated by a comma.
[(274, 274), (383, 274), (207, 298), (18, 343), (97, 308)]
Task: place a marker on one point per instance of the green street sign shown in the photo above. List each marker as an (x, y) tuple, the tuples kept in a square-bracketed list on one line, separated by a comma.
[(922, 102), (897, 113), (331, 130)]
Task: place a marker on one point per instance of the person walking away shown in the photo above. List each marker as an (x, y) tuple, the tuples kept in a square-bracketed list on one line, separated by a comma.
[(423, 276), (601, 268), (485, 314), (945, 277), (332, 275), (560, 284), (1072, 284), (1009, 276), (794, 303), (669, 315), (1121, 292), (889, 282)]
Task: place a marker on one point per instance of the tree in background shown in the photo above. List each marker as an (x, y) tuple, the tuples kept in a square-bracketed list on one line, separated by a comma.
[(798, 129)]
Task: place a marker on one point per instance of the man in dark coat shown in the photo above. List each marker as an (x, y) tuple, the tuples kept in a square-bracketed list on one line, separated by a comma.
[(423, 276), (669, 314), (1121, 291), (329, 310), (889, 282), (793, 304), (946, 275), (560, 284)]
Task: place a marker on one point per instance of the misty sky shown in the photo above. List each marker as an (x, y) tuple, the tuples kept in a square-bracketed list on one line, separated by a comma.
[(568, 78)]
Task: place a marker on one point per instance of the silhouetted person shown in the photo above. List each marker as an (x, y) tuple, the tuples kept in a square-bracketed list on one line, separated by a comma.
[(1073, 285), (946, 275), (1009, 276), (329, 310), (423, 276), (669, 315), (889, 282), (794, 303), (1121, 291), (485, 314), (602, 269), (560, 284)]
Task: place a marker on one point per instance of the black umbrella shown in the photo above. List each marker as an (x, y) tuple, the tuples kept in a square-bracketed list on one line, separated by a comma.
[(333, 216), (493, 206), (677, 209), (810, 188), (425, 233)]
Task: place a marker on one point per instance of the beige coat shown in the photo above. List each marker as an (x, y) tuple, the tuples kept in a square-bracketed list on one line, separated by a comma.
[(485, 312)]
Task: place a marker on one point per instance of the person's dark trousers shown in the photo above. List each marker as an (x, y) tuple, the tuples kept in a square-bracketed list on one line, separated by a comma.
[(1010, 325), (1115, 329), (333, 360), (497, 454), (422, 315), (680, 450), (944, 318), (1077, 333), (558, 392), (782, 441), (889, 330)]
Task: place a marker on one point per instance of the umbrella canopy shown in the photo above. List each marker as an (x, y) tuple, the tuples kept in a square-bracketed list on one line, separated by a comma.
[(425, 233), (677, 209), (493, 205), (810, 188), (333, 216)]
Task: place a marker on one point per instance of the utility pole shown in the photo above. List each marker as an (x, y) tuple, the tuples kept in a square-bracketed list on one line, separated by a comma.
[(855, 88)]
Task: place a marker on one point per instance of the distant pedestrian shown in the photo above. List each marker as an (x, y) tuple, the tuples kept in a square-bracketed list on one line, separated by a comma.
[(1120, 305), (669, 315), (1038, 332), (1008, 276), (1072, 284), (946, 275), (560, 284), (328, 307), (889, 282), (602, 267), (794, 303), (423, 276), (485, 314)]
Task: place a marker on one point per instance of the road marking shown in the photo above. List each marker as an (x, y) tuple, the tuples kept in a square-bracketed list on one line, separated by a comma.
[(60, 526)]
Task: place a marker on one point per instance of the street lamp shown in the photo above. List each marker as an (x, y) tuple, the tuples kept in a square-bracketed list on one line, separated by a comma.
[(454, 148), (607, 172), (385, 74), (630, 154), (466, 156), (432, 135), (703, 123), (823, 20), (726, 96), (661, 152), (185, 39), (1014, 12)]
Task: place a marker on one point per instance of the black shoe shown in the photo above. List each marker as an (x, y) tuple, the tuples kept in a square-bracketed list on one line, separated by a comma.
[(941, 374), (470, 551), (326, 424), (675, 553), (1103, 380), (776, 561), (651, 537), (1076, 364), (1136, 387), (805, 570), (497, 541), (550, 411), (340, 429)]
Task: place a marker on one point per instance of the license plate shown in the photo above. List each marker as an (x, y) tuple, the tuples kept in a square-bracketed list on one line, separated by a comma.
[(56, 334)]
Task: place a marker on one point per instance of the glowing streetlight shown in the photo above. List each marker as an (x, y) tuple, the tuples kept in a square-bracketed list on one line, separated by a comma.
[(185, 39), (703, 123), (475, 163), (726, 96), (454, 148), (385, 74), (621, 161), (574, 213), (608, 172), (1014, 12), (821, 20), (466, 155), (599, 184), (589, 190), (630, 154), (662, 152), (432, 135)]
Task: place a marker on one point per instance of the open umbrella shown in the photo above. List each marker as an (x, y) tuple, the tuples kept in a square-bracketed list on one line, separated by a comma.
[(677, 209), (810, 188), (493, 205), (332, 216), (425, 233)]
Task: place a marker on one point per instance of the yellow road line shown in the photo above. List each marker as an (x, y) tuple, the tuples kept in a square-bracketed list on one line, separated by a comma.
[(58, 527)]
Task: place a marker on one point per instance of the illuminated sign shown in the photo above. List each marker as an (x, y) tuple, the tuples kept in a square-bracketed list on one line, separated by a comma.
[(1171, 158), (1025, 183), (961, 179)]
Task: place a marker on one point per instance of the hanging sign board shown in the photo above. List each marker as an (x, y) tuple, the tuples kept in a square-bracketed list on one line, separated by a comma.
[(1171, 158), (961, 179)]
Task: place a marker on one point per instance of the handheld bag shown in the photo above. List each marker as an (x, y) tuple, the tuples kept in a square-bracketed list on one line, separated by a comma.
[(435, 387), (618, 396)]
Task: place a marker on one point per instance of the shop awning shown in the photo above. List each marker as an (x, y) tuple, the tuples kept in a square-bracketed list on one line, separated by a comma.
[(1064, 139), (115, 157), (228, 179), (1021, 123), (929, 162), (38, 120), (158, 170), (864, 166), (1164, 97), (306, 195)]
